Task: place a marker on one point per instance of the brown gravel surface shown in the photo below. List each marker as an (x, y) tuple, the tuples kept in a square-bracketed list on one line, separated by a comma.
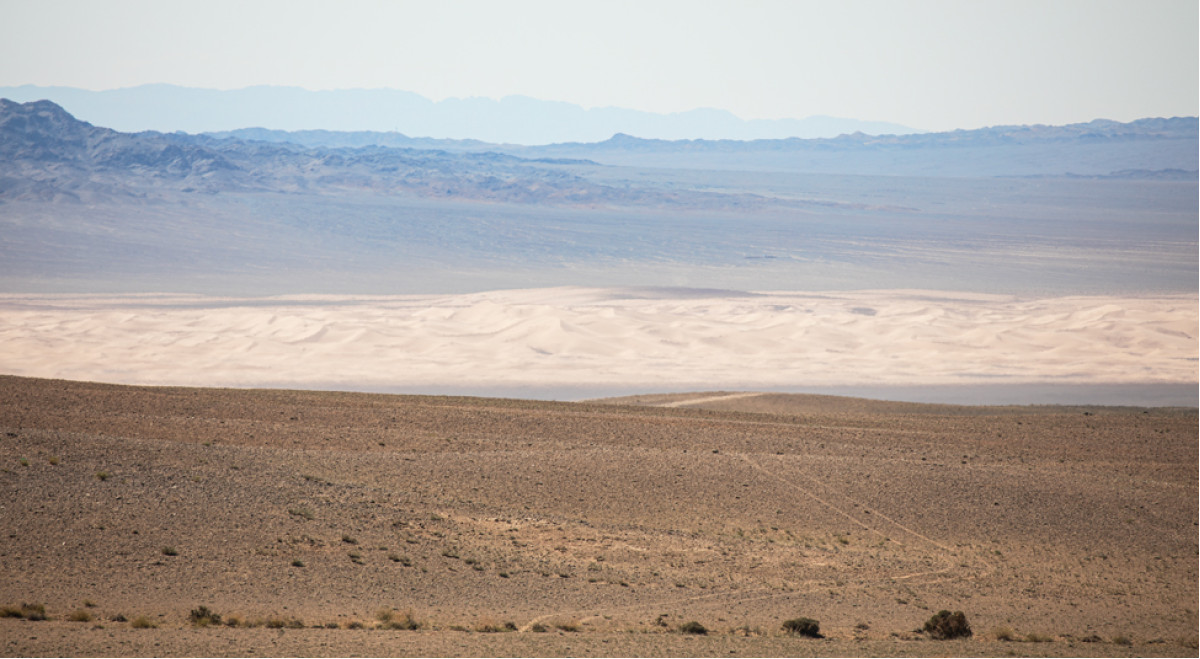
[(605, 525)]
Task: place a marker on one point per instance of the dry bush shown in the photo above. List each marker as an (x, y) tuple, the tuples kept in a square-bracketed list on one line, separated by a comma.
[(143, 622), (693, 627), (391, 619), (945, 625), (79, 615), (29, 612), (803, 627), (203, 617)]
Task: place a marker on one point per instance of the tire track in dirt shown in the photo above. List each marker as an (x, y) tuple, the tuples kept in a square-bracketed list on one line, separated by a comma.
[(948, 556), (709, 399)]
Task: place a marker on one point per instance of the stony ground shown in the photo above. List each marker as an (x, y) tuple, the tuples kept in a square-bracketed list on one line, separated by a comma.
[(588, 528)]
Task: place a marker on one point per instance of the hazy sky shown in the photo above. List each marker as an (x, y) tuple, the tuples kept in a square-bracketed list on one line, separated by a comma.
[(929, 64)]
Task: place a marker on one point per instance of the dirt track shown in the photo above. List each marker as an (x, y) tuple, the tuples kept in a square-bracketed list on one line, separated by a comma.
[(619, 521)]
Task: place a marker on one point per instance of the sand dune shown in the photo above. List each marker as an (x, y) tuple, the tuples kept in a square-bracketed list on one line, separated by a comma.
[(566, 336)]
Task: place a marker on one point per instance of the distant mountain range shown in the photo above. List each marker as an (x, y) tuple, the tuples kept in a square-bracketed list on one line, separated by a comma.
[(1142, 148), (46, 153), (1090, 207), (511, 120)]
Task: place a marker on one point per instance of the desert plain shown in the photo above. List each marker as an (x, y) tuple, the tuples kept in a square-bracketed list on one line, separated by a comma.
[(311, 519)]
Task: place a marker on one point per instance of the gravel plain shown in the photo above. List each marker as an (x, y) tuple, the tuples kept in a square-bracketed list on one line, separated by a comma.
[(513, 527)]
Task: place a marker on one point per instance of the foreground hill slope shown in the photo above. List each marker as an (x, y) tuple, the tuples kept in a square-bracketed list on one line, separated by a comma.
[(606, 526)]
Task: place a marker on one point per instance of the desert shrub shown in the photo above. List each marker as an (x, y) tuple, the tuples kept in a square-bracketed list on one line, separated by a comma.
[(1004, 634), (1034, 637), (945, 625), (693, 627), (390, 619), (79, 615), (1121, 639), (203, 617), (102, 475), (233, 621), (354, 624), (568, 626), (120, 617), (26, 611), (284, 623), (143, 622), (538, 628), (169, 551), (349, 539), (803, 627)]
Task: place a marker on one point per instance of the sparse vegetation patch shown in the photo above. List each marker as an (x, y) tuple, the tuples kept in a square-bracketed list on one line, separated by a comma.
[(392, 619), (26, 611), (945, 625), (203, 617), (143, 622), (803, 627)]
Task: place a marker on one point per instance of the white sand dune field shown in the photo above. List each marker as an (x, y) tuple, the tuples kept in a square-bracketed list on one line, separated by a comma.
[(571, 336)]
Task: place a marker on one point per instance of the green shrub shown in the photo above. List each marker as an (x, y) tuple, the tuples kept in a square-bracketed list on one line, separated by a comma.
[(945, 625), (693, 627), (169, 551), (803, 627)]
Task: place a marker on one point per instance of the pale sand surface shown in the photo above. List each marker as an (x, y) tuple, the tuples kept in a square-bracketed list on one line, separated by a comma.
[(653, 338)]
